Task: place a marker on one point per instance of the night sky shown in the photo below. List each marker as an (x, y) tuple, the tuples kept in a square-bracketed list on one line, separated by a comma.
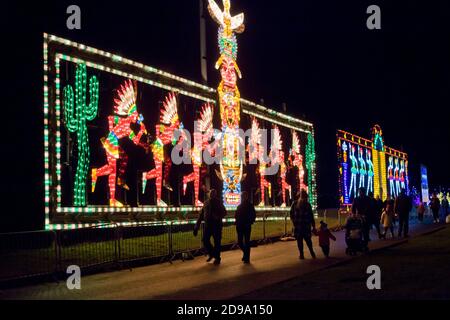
[(316, 56)]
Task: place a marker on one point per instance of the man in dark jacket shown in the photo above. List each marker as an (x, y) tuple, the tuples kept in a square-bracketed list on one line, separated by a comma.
[(374, 214), (362, 206), (245, 216), (403, 205), (212, 214), (435, 205)]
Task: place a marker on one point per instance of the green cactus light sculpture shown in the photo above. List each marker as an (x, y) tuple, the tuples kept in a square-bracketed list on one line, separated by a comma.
[(76, 113)]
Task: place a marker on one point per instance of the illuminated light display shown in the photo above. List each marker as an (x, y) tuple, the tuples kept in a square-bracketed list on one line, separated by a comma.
[(231, 167), (391, 176), (370, 172), (310, 157), (76, 113), (119, 124), (362, 167), (295, 152), (61, 56), (169, 122), (277, 158), (379, 163), (284, 185), (254, 142), (397, 177), (256, 154), (202, 135), (369, 164), (343, 147)]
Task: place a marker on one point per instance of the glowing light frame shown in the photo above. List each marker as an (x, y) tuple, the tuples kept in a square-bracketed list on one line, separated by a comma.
[(57, 49)]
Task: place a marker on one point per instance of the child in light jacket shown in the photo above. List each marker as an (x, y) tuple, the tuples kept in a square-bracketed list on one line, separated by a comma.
[(387, 220)]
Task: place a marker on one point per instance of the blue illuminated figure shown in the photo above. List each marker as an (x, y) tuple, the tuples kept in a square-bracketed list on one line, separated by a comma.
[(370, 173), (345, 172), (402, 175), (354, 170), (397, 177), (362, 168), (390, 170)]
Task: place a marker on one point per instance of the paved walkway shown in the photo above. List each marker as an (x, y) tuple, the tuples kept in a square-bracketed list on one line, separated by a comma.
[(198, 280)]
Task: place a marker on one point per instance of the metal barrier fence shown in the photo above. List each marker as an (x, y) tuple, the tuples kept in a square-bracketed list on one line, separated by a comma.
[(49, 253)]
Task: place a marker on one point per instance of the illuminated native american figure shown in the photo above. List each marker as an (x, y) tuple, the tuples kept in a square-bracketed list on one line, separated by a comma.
[(354, 171), (125, 114), (390, 170), (202, 135), (284, 185), (298, 160), (229, 99), (396, 177), (402, 175), (277, 158), (370, 172), (165, 135), (255, 153)]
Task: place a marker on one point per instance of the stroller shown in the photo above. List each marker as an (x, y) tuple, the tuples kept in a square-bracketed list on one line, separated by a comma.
[(354, 236)]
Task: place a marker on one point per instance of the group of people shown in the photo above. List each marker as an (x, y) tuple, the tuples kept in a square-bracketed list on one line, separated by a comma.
[(212, 214), (368, 212), (301, 215), (440, 209)]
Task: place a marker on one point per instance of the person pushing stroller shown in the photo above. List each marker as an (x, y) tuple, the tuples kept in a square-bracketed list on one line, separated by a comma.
[(354, 228)]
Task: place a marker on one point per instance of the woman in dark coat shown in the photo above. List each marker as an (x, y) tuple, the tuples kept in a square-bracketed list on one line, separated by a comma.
[(303, 219)]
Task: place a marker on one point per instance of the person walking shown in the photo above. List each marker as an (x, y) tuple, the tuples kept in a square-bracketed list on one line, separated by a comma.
[(374, 215), (212, 213), (325, 235), (354, 234), (444, 209), (387, 218), (245, 216), (362, 206), (435, 205), (421, 211), (403, 205), (303, 219), (380, 206)]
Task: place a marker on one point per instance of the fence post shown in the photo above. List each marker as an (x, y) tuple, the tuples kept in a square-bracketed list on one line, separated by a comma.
[(117, 251), (285, 223), (169, 233), (264, 226), (55, 240), (58, 251), (325, 216)]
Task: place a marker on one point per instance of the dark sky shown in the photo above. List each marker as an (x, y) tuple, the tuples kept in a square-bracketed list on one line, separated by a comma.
[(317, 56)]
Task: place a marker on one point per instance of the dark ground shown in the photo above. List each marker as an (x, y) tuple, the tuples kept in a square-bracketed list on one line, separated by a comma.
[(418, 269)]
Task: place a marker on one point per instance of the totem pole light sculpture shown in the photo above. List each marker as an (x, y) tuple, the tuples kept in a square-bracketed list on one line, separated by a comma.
[(76, 113), (229, 99), (379, 163)]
